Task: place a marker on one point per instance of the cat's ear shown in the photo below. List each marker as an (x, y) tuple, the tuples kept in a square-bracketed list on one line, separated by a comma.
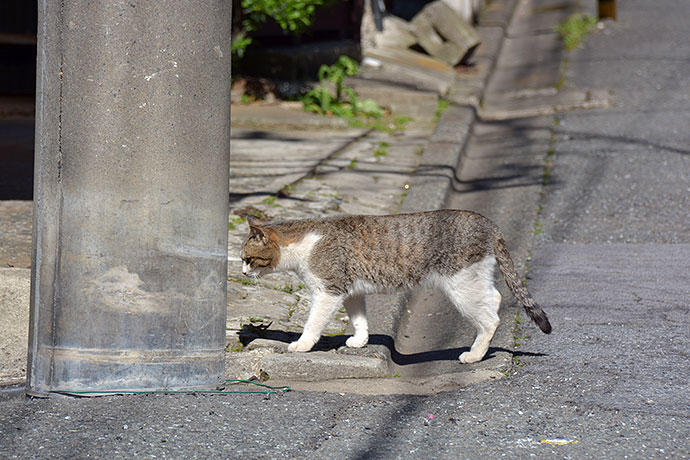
[(256, 230)]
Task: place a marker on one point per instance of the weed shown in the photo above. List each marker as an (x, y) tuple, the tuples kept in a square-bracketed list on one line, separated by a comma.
[(243, 281), (538, 228), (443, 104), (287, 189), (573, 30), (236, 348), (270, 200), (344, 102), (250, 211), (336, 334), (287, 288), (352, 164), (389, 125), (235, 221), (381, 150), (293, 17), (400, 122)]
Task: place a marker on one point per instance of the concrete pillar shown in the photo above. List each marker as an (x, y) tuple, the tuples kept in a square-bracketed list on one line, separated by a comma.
[(131, 195)]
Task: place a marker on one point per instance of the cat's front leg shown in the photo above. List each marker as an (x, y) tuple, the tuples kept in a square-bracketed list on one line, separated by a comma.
[(323, 307)]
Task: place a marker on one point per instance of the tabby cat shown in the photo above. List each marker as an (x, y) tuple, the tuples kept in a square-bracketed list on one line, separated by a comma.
[(340, 259)]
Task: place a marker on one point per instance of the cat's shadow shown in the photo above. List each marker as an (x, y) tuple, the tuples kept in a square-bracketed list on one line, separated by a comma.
[(329, 343)]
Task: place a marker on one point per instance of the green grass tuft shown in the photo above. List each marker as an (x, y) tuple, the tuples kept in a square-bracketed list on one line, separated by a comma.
[(574, 29)]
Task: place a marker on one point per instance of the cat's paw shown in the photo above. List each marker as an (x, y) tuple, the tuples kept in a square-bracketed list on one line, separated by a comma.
[(298, 347), (356, 342), (468, 357)]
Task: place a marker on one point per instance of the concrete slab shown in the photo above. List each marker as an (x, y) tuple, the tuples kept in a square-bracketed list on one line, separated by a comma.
[(443, 33), (15, 233), (283, 116), (408, 67), (14, 323), (289, 164), (530, 62), (538, 17), (544, 101)]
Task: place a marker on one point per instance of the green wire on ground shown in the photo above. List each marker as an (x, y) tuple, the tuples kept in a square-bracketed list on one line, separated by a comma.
[(271, 390)]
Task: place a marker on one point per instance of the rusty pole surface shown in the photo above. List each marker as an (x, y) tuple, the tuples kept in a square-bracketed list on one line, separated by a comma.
[(129, 264)]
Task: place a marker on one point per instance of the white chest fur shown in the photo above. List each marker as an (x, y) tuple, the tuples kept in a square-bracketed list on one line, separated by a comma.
[(295, 255)]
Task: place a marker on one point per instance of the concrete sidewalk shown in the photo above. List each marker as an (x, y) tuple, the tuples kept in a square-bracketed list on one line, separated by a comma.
[(288, 164), (334, 170)]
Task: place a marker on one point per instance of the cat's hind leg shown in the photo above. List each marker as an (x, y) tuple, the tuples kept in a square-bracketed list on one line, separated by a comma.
[(357, 311), (323, 307), (473, 293)]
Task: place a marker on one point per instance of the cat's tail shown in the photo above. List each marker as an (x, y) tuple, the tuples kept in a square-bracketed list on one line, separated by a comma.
[(519, 290)]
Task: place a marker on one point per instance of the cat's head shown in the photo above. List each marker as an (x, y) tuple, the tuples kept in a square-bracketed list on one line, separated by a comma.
[(260, 252)]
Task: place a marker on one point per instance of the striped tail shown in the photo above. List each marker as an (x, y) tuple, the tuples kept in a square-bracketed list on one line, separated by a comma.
[(505, 264)]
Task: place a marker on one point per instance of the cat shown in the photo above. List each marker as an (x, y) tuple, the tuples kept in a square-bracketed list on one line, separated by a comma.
[(340, 259)]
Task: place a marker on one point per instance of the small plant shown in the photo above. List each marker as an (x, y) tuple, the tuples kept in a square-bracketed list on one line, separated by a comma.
[(401, 122), (352, 164), (336, 334), (403, 195), (344, 102), (235, 221), (243, 281), (443, 104), (287, 288), (381, 150), (573, 30), (250, 211), (270, 200), (387, 124), (293, 16), (538, 228), (236, 348), (518, 335)]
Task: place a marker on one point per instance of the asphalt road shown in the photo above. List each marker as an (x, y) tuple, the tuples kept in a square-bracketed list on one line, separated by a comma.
[(610, 267)]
